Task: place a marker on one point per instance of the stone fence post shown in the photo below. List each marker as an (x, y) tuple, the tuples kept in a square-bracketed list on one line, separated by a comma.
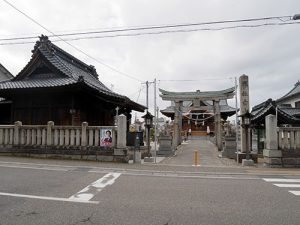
[(272, 156), (18, 124), (49, 138), (122, 131), (84, 126)]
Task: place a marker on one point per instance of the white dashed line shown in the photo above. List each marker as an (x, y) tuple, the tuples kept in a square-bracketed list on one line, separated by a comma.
[(297, 193), (282, 180), (288, 185), (285, 183), (91, 190), (48, 198)]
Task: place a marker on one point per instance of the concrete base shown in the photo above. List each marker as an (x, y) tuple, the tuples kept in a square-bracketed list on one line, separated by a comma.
[(148, 159), (241, 156), (272, 158), (272, 153), (168, 152), (165, 146), (137, 157), (228, 153), (247, 162), (120, 151)]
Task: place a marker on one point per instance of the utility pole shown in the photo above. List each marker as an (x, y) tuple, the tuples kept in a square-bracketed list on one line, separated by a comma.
[(155, 114), (156, 118), (147, 95), (147, 104)]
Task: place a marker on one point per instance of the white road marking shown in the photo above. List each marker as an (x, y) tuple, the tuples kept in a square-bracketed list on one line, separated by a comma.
[(91, 190), (34, 168), (48, 198), (297, 193), (282, 180), (288, 185), (184, 176)]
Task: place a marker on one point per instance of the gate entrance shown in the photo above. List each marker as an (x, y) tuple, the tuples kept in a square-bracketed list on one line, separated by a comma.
[(198, 112)]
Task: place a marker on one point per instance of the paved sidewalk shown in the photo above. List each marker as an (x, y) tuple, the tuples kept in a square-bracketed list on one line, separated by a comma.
[(207, 154)]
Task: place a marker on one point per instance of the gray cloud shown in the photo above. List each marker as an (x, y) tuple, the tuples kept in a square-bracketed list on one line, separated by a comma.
[(269, 55)]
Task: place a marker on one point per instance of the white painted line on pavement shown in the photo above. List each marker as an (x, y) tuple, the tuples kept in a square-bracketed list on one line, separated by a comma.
[(288, 185), (186, 176), (48, 198), (297, 193), (33, 168), (282, 180), (91, 190)]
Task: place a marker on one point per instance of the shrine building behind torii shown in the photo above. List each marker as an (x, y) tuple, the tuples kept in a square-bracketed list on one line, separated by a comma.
[(197, 99)]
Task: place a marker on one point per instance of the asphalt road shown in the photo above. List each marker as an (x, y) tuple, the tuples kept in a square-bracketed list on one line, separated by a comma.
[(52, 193)]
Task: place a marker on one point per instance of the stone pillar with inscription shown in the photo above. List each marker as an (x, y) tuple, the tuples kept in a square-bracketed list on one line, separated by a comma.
[(245, 134), (244, 107)]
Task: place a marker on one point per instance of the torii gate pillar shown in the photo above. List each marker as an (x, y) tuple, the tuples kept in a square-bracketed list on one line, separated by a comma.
[(218, 130), (177, 124)]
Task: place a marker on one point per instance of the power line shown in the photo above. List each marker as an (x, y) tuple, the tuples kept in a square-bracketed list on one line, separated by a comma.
[(59, 37), (155, 27), (186, 80), (153, 33)]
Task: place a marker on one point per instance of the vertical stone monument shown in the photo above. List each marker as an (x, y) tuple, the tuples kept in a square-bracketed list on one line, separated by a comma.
[(245, 134), (272, 156)]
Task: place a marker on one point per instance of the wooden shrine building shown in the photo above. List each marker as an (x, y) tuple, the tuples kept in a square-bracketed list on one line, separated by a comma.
[(5, 105), (287, 109), (56, 86)]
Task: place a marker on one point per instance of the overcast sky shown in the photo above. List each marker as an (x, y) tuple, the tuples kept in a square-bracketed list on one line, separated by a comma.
[(269, 55)]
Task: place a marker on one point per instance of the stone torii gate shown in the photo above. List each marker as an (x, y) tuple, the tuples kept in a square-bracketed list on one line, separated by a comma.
[(196, 97)]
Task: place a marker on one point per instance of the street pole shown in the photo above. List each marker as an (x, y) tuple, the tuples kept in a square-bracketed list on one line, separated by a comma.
[(156, 118), (147, 95), (147, 130)]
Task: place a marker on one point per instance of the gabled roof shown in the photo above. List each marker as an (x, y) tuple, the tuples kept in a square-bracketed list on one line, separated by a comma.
[(67, 70), (284, 115), (4, 73), (291, 93)]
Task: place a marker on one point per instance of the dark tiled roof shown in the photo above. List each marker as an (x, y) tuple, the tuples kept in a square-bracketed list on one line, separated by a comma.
[(285, 115), (71, 70), (36, 83), (293, 92), (292, 111), (4, 73)]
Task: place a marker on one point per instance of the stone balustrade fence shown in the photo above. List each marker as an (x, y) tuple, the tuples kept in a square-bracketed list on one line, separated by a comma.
[(51, 135), (289, 138), (282, 144)]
